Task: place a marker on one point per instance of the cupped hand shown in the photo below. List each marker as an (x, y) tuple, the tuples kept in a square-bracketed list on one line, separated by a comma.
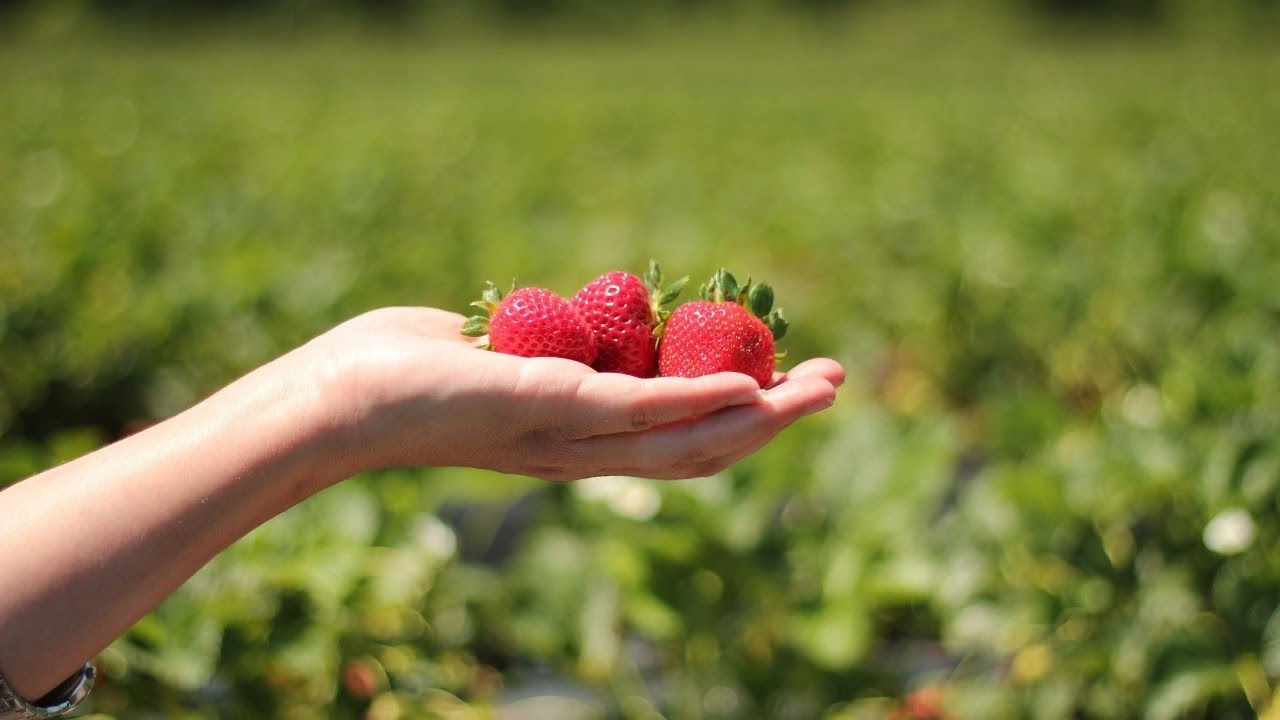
[(405, 389)]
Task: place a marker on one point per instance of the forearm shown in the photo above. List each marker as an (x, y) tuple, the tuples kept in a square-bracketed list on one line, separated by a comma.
[(89, 547)]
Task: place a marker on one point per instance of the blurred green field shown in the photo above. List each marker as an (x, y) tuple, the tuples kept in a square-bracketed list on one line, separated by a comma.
[(1050, 261)]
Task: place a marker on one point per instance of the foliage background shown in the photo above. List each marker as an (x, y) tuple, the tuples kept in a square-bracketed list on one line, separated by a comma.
[(1042, 237)]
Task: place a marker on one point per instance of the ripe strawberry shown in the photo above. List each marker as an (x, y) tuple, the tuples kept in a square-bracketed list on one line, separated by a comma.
[(532, 322), (723, 332), (926, 703), (624, 312)]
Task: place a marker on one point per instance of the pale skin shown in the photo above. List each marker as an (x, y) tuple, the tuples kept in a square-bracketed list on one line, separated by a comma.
[(89, 547)]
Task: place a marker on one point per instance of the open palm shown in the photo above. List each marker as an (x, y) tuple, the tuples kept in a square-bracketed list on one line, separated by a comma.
[(418, 393)]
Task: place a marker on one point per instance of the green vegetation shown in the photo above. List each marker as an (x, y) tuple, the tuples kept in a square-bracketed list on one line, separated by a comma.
[(1049, 261)]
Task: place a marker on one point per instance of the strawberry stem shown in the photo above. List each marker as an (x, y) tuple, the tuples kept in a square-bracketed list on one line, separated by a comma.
[(660, 297), (757, 297), (723, 287), (478, 325)]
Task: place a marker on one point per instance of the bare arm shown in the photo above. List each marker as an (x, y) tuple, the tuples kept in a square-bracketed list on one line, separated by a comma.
[(89, 547)]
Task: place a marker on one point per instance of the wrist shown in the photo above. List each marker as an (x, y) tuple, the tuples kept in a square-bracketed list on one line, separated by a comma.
[(56, 703), (325, 416), (287, 413)]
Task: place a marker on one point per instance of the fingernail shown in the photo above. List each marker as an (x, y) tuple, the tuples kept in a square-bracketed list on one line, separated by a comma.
[(819, 406), (750, 398)]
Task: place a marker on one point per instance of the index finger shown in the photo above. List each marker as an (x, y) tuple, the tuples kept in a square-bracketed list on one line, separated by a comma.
[(714, 442), (826, 368), (609, 403)]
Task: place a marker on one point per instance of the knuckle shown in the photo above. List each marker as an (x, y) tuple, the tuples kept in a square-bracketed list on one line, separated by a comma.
[(708, 468), (642, 418), (696, 463), (561, 475), (558, 457)]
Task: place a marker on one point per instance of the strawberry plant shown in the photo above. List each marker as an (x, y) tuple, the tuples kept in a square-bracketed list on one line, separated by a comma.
[(1050, 488)]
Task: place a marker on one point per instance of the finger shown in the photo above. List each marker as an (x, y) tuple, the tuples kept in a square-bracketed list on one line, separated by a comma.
[(439, 323), (707, 444), (812, 400), (735, 446), (609, 403), (422, 320), (818, 402), (826, 368)]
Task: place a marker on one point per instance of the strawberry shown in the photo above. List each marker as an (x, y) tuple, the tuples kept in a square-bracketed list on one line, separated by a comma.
[(532, 322), (732, 329), (624, 313)]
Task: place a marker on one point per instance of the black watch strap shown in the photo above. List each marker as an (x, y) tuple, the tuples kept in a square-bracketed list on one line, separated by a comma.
[(57, 703)]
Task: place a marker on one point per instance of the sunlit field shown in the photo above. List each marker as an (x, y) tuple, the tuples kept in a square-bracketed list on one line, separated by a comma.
[(1050, 260)]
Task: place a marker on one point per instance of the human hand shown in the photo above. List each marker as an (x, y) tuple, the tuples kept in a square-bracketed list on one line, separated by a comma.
[(403, 388)]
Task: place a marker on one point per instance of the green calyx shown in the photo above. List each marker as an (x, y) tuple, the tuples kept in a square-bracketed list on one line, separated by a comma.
[(660, 297), (756, 297), (478, 325)]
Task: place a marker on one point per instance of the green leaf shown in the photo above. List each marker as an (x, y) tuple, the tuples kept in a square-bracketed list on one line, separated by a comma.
[(777, 324), (724, 286), (1190, 689), (672, 292), (653, 278), (492, 294), (760, 300), (475, 326), (653, 617), (836, 637)]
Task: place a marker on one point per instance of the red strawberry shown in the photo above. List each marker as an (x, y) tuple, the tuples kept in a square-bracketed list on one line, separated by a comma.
[(532, 322), (724, 332), (624, 312)]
